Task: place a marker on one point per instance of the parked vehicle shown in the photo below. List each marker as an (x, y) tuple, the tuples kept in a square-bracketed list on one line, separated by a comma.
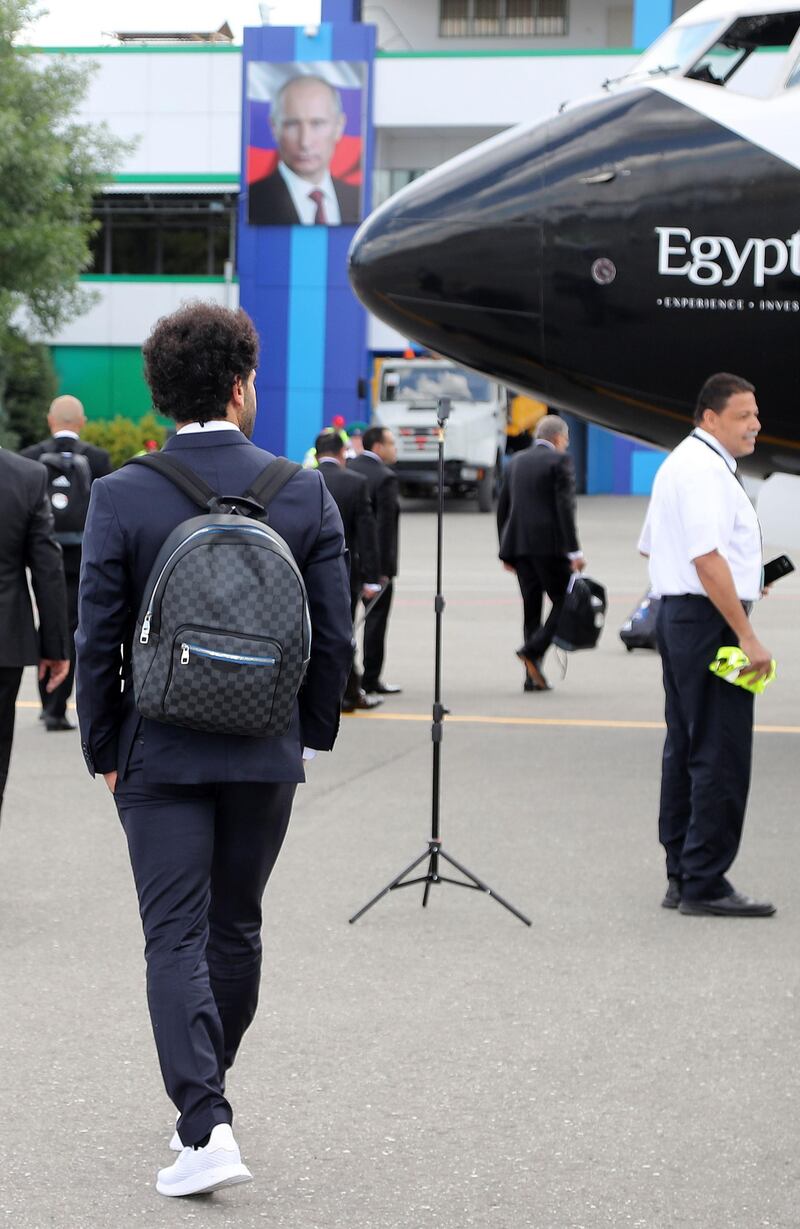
[(408, 395)]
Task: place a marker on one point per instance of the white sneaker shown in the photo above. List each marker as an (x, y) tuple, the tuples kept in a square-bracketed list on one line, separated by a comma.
[(199, 1170), (176, 1145)]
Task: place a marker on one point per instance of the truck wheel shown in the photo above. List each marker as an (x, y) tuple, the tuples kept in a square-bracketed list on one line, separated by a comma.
[(486, 491)]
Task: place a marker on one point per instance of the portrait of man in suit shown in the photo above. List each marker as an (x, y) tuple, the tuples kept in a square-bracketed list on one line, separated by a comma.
[(307, 121)]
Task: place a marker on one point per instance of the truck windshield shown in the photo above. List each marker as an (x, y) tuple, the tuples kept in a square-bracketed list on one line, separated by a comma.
[(428, 383)]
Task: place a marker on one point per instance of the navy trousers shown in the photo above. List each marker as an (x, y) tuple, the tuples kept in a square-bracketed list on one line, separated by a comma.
[(375, 638), (537, 575), (707, 753), (201, 857)]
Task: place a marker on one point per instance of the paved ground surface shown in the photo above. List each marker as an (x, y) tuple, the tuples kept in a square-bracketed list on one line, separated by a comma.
[(615, 1065)]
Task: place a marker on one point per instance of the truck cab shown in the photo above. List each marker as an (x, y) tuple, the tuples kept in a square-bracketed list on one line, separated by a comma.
[(408, 394)]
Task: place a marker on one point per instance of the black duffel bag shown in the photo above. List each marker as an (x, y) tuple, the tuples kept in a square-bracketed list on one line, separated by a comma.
[(582, 615), (639, 631)]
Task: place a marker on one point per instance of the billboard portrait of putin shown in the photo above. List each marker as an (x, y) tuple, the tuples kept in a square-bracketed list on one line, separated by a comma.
[(304, 146)]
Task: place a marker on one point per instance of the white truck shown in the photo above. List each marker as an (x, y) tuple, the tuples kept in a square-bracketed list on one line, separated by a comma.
[(408, 393)]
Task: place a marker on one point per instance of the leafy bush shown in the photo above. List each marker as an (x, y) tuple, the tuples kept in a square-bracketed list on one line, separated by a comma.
[(122, 438)]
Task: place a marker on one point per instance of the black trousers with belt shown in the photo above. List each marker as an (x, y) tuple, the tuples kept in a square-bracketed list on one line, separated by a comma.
[(537, 575), (708, 749), (201, 857)]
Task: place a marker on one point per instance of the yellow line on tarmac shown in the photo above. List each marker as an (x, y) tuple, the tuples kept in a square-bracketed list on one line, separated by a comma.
[(591, 723), (581, 722)]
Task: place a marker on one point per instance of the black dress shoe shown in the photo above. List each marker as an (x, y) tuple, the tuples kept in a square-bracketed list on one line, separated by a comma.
[(362, 701), (672, 898), (533, 666), (384, 689), (57, 723), (735, 905)]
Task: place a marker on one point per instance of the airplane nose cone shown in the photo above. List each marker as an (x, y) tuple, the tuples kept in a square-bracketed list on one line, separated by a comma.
[(454, 260)]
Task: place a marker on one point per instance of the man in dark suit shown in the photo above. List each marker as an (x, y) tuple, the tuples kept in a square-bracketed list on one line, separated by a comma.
[(27, 540), (66, 420), (351, 493), (307, 121), (379, 452), (538, 537), (204, 814)]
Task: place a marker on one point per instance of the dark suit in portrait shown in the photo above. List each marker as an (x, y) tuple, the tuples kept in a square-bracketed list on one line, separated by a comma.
[(536, 526), (384, 495), (27, 540), (54, 704), (270, 202), (204, 814)]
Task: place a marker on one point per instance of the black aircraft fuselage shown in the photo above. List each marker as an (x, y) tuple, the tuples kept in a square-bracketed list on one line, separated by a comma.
[(606, 261)]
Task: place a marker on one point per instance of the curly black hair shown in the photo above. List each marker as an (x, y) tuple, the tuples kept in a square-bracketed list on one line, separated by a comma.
[(192, 358)]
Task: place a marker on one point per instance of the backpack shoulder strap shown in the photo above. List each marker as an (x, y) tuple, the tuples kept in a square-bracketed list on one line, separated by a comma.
[(272, 479), (180, 476)]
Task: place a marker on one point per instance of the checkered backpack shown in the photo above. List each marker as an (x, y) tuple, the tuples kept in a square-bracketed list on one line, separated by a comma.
[(223, 636)]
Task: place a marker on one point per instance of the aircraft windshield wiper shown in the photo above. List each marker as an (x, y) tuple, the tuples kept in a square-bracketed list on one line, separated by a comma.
[(661, 70)]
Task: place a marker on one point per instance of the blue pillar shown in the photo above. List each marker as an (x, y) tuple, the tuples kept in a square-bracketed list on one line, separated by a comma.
[(293, 279), (650, 18)]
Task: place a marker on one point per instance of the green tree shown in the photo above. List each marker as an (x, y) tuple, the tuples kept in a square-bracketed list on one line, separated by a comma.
[(31, 384), (51, 166)]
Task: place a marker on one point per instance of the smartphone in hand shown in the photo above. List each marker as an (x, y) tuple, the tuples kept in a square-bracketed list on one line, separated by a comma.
[(776, 568)]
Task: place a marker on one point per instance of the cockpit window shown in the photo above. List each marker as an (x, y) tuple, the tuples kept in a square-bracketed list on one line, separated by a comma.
[(677, 46), (794, 76), (745, 57)]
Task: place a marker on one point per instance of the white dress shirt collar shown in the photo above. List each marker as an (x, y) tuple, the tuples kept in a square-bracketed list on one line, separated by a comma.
[(714, 443), (544, 444), (214, 424), (299, 190), (367, 452), (60, 435)]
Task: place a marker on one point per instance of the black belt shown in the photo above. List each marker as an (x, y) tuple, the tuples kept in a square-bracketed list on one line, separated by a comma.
[(699, 597)]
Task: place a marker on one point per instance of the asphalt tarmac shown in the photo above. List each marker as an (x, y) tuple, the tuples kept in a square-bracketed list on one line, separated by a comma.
[(613, 1065)]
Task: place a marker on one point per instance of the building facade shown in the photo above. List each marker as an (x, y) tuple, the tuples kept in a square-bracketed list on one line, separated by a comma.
[(445, 76)]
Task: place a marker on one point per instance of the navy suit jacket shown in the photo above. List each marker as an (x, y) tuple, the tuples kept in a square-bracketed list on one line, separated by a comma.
[(131, 513), (536, 509)]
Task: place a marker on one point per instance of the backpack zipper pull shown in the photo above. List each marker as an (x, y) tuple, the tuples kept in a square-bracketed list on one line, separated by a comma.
[(145, 633), (184, 655)]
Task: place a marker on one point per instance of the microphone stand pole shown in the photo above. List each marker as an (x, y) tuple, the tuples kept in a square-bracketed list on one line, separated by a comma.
[(435, 851)]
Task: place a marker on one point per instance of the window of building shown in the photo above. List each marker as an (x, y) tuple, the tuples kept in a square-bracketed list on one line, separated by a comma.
[(158, 233), (510, 18), (386, 183)]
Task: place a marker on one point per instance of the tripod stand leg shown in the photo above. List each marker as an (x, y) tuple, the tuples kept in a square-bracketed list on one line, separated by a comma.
[(484, 887), (396, 883)]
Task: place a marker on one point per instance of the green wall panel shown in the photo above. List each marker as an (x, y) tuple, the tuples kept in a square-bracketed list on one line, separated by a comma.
[(107, 379)]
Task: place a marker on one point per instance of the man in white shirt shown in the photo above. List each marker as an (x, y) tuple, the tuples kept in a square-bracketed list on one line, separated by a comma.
[(308, 121), (703, 541)]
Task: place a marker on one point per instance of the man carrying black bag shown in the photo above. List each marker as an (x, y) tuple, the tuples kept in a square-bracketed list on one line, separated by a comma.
[(204, 783), (539, 538)]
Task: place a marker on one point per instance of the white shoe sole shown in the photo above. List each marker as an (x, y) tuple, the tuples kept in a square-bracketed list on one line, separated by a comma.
[(203, 1183)]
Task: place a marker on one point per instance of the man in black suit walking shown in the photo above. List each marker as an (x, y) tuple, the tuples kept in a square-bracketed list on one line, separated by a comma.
[(538, 537), (379, 453), (66, 420), (27, 540), (351, 493), (204, 813), (308, 121)]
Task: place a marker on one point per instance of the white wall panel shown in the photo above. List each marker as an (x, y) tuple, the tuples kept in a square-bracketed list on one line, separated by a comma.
[(485, 91), (125, 312), (174, 104), (414, 25)]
